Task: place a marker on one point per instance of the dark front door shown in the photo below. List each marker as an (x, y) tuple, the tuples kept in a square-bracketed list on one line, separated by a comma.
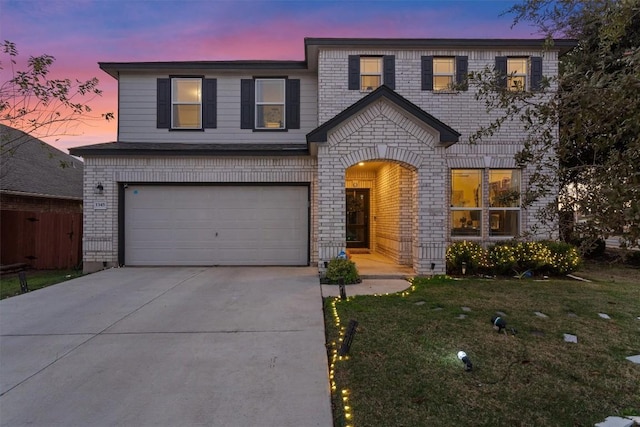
[(357, 218)]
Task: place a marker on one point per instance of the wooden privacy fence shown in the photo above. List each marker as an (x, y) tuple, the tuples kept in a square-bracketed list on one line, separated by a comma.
[(44, 240)]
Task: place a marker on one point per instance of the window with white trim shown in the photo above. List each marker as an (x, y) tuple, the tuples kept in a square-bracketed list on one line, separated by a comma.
[(466, 202), (444, 73), (504, 202), (270, 104), (370, 72), (186, 103), (517, 74)]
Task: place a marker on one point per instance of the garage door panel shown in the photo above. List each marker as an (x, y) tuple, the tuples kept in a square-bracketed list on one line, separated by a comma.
[(214, 225)]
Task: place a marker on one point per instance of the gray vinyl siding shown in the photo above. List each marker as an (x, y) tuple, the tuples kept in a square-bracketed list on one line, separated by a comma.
[(137, 118)]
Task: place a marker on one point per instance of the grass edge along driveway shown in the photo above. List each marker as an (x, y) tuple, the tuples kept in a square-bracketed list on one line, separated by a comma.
[(402, 369), (36, 279)]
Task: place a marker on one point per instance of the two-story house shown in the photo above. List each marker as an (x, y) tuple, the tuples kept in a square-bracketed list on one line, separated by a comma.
[(364, 144)]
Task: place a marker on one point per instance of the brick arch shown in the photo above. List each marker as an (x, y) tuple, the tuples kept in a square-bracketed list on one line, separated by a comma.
[(381, 152)]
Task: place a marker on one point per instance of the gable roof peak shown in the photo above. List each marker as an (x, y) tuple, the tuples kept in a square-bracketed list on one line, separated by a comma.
[(448, 135)]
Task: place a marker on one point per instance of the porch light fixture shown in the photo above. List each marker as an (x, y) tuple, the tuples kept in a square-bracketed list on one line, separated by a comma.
[(99, 188), (361, 164), (465, 359)]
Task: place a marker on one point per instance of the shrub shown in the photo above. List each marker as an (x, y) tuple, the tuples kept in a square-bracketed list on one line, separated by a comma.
[(553, 258), (532, 256), (474, 255), (564, 259), (503, 258), (632, 258), (590, 248), (346, 268)]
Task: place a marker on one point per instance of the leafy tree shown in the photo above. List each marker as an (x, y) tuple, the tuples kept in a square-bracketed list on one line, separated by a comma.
[(41, 106), (582, 139)]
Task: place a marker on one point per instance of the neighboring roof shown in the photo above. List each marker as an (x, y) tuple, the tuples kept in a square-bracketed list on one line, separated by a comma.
[(181, 149), (32, 167), (311, 46), (448, 135)]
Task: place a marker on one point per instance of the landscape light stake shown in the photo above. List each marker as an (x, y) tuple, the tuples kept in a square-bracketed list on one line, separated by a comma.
[(499, 322), (348, 338), (24, 287), (343, 290), (468, 366)]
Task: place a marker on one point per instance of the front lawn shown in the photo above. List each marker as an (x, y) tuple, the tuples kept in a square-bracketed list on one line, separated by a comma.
[(10, 283), (402, 369)]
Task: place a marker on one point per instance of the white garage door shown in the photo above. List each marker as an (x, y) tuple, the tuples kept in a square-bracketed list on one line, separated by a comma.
[(216, 225)]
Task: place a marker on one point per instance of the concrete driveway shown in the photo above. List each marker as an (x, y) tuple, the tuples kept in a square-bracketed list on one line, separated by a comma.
[(188, 346)]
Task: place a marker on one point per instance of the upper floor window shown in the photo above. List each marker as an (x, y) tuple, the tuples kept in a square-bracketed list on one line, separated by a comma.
[(442, 73), (367, 73), (519, 73), (370, 72), (186, 102), (270, 104)]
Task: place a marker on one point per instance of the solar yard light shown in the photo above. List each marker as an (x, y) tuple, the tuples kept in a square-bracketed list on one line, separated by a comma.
[(498, 323), (465, 359)]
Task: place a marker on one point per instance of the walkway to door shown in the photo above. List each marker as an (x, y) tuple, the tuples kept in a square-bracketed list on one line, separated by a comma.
[(379, 274), (378, 266)]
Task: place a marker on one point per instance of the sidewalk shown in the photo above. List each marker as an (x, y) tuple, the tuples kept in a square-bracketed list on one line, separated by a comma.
[(368, 287)]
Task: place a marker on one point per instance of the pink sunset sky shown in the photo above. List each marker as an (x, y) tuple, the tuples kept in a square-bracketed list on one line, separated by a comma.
[(81, 33)]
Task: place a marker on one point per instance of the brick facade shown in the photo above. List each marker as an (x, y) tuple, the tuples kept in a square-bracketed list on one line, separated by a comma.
[(409, 191), (413, 187), (410, 211), (101, 226)]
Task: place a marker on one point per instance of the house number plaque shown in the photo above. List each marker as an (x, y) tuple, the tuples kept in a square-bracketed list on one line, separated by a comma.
[(100, 206)]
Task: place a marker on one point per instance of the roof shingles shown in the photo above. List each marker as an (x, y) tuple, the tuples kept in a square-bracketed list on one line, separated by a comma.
[(30, 166)]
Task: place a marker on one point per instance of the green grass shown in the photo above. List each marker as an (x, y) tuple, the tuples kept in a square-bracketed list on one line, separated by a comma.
[(10, 284), (403, 370)]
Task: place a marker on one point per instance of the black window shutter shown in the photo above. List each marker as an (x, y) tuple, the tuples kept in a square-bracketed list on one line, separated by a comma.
[(209, 107), (164, 104), (389, 71), (501, 69), (462, 71), (427, 72), (536, 72), (247, 103), (293, 104), (354, 72)]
